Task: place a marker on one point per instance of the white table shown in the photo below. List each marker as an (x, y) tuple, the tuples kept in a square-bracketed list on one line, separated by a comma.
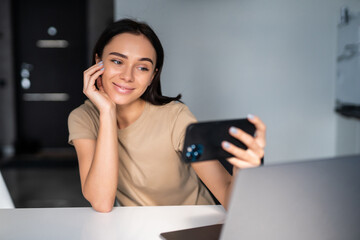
[(5, 199), (121, 223)]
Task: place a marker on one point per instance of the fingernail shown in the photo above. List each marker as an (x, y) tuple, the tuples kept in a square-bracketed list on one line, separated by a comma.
[(250, 116), (233, 130), (102, 69), (226, 144), (101, 63)]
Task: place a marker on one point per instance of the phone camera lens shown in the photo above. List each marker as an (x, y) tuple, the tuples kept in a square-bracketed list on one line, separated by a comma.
[(193, 152)]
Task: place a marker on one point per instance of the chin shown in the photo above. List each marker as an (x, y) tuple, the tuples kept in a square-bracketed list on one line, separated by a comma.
[(124, 100)]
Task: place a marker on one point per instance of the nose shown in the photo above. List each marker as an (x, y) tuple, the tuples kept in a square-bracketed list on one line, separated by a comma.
[(126, 74)]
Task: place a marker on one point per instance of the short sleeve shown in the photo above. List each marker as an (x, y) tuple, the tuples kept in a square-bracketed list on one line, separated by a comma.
[(81, 125), (182, 120)]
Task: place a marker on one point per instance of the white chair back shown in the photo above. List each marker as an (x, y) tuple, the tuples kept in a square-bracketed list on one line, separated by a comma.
[(5, 198)]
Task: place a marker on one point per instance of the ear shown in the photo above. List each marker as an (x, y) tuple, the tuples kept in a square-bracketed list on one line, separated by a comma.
[(97, 58)]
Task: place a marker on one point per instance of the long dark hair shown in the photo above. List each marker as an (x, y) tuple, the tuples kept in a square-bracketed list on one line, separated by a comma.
[(153, 92)]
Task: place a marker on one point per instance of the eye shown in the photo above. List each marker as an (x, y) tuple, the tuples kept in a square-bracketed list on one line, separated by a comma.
[(143, 69), (117, 62)]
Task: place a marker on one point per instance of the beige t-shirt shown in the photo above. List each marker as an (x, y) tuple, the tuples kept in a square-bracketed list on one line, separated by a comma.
[(151, 171)]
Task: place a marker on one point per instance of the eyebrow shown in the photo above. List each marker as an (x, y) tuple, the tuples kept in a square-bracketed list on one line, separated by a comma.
[(126, 57)]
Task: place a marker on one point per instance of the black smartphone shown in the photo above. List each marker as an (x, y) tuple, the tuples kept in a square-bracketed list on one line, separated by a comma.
[(203, 139)]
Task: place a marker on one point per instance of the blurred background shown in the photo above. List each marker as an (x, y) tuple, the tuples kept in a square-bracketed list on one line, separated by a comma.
[(293, 63)]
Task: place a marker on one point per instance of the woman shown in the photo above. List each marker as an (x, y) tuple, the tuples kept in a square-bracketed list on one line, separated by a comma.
[(128, 136)]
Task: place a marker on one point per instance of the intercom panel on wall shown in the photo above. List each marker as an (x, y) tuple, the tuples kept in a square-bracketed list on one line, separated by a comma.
[(348, 61)]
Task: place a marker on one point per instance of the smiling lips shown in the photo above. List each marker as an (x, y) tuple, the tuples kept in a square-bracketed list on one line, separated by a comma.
[(123, 89)]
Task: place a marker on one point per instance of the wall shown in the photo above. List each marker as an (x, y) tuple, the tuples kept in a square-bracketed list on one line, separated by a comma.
[(100, 14), (274, 59)]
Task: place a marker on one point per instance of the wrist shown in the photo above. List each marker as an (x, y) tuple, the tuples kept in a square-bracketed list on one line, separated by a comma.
[(108, 109), (108, 114)]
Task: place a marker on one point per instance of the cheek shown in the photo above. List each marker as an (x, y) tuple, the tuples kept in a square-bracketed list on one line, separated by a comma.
[(108, 72), (146, 82), (147, 79), (150, 81)]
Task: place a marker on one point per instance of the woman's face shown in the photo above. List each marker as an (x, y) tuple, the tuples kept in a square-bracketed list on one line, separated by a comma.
[(129, 62)]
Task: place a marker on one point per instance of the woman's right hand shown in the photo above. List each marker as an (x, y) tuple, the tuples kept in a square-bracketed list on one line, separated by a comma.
[(97, 96)]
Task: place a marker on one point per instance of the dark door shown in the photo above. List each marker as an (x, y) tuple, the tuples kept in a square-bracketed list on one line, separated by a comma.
[(50, 56)]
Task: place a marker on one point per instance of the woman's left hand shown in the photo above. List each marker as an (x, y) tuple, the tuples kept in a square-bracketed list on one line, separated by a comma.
[(255, 152)]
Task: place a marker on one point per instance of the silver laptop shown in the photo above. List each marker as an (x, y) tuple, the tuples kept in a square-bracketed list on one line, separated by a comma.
[(317, 199)]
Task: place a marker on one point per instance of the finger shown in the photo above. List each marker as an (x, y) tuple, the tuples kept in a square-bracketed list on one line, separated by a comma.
[(92, 80), (245, 155), (247, 139), (95, 66), (260, 134), (91, 71), (89, 81), (239, 163)]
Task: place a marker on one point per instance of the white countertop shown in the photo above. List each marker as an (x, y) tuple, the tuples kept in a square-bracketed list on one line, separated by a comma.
[(121, 223)]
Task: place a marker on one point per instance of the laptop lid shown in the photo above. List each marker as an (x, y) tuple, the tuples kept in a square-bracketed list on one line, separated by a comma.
[(317, 199)]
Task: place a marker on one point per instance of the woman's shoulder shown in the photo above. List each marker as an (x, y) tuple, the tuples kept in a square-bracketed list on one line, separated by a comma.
[(171, 109), (173, 106), (87, 109), (83, 122)]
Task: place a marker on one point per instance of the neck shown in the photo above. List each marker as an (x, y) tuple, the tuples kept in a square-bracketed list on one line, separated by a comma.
[(128, 114)]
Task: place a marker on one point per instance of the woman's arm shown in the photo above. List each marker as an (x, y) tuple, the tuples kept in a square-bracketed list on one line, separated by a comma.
[(98, 159), (98, 165), (215, 176)]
